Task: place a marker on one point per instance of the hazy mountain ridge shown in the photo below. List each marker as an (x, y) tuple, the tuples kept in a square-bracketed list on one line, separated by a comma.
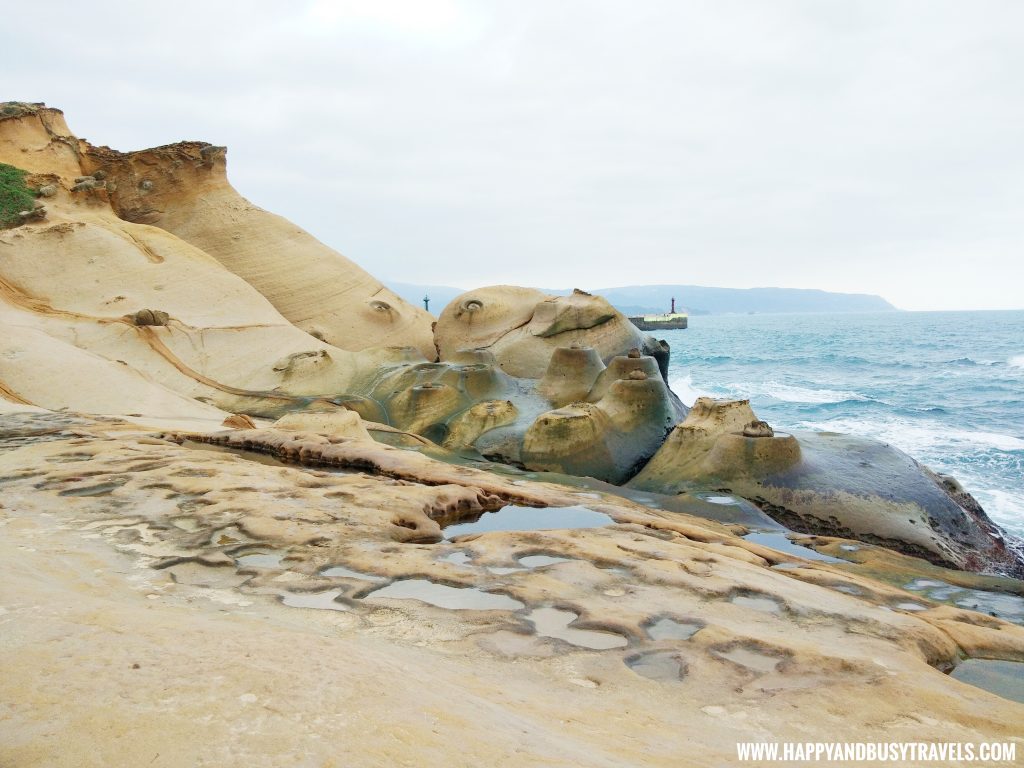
[(639, 299)]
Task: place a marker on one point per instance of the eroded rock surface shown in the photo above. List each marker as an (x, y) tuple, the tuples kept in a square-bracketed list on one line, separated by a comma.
[(225, 608)]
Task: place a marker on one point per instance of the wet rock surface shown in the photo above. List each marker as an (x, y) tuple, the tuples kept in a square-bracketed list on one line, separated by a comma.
[(829, 484)]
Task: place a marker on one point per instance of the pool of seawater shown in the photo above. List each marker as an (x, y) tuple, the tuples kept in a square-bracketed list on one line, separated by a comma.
[(998, 604), (348, 573), (514, 518), (779, 541), (670, 629), (443, 596), (1003, 678), (555, 622), (663, 666), (321, 600), (260, 560)]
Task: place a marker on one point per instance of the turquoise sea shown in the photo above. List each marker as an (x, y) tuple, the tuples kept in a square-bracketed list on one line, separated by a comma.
[(946, 387)]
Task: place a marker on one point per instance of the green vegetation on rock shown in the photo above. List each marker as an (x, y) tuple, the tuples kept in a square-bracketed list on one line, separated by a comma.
[(15, 195)]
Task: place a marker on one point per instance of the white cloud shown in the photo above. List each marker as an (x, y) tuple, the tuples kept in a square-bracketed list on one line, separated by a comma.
[(855, 146)]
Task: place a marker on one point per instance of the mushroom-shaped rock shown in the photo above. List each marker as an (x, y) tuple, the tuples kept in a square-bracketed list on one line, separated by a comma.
[(608, 440), (571, 375), (571, 440), (466, 428), (622, 367), (424, 408)]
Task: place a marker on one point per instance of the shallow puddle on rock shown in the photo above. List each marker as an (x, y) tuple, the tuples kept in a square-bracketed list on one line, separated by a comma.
[(456, 558), (1003, 678), (848, 589), (721, 500), (443, 596), (321, 600), (751, 659), (656, 665), (849, 547), (554, 622), (763, 604), (260, 560), (919, 584), (780, 542), (908, 606), (670, 629), (513, 518), (999, 604), (348, 573)]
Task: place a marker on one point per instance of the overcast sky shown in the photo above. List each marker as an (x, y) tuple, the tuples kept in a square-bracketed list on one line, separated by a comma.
[(870, 147)]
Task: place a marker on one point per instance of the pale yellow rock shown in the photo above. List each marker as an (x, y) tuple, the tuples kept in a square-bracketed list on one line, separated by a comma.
[(523, 327), (35, 370), (183, 188), (198, 661), (336, 423)]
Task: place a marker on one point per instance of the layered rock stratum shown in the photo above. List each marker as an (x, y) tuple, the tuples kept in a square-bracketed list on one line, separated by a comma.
[(233, 471)]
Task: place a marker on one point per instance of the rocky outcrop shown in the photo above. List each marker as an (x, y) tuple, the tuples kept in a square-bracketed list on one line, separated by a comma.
[(523, 327), (183, 189), (186, 301), (830, 484), (119, 545)]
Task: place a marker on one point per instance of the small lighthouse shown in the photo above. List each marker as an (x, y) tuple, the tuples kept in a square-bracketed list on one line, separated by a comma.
[(673, 306)]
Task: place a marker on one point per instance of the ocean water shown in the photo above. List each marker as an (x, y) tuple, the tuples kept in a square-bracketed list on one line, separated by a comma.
[(946, 387)]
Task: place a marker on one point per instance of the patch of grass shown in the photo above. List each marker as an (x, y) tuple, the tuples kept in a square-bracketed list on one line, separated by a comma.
[(15, 195)]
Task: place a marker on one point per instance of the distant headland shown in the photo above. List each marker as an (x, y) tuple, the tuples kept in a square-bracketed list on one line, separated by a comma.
[(695, 299)]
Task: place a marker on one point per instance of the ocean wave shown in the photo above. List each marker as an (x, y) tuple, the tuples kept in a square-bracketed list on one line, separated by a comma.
[(683, 387), (970, 362), (1017, 361), (792, 394), (920, 440), (1005, 508), (788, 393)]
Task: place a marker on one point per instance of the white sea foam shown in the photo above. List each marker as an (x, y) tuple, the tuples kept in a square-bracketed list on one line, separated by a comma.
[(1005, 508), (1017, 361), (920, 440), (793, 394)]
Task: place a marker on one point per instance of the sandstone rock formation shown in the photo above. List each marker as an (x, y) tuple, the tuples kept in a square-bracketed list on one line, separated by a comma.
[(191, 606), (152, 288), (522, 328), (187, 583), (151, 260), (830, 484), (183, 190)]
